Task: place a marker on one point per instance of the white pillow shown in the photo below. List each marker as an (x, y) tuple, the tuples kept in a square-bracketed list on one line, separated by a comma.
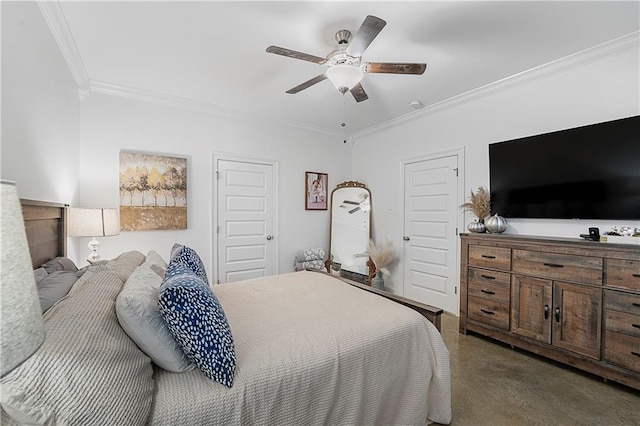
[(156, 262), (138, 314)]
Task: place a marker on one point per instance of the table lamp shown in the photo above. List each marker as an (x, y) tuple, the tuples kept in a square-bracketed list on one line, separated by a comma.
[(93, 223), (22, 328)]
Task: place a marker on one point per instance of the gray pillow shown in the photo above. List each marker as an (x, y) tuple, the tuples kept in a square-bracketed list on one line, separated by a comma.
[(40, 274), (55, 286), (138, 315), (60, 264), (156, 262)]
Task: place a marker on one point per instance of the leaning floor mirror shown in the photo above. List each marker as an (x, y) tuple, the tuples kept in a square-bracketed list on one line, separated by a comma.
[(350, 230)]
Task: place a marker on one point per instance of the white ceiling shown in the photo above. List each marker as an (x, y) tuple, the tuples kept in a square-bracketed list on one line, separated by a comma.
[(213, 53)]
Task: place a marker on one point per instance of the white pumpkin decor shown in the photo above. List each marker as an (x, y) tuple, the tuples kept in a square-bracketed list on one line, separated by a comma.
[(495, 224)]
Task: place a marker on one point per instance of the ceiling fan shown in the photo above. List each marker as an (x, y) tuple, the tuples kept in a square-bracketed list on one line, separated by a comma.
[(346, 68)]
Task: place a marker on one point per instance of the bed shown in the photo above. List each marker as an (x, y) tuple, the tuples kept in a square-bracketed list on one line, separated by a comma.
[(309, 349)]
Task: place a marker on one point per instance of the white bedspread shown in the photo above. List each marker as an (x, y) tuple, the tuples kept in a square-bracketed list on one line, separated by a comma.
[(314, 350)]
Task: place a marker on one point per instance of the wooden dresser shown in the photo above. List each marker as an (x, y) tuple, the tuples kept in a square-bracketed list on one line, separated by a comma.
[(571, 300)]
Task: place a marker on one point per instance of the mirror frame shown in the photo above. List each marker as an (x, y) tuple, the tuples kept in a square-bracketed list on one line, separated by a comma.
[(349, 184)]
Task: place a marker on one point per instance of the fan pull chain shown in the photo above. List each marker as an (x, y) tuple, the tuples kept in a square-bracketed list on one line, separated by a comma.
[(344, 111)]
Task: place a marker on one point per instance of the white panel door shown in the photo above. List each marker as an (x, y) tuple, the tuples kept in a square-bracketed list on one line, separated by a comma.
[(245, 220), (430, 235)]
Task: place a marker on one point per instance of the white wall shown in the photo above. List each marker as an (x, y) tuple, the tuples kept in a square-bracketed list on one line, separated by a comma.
[(110, 124), (600, 91), (40, 108)]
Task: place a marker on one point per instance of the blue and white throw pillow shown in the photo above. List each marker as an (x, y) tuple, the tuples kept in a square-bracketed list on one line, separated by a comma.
[(189, 258), (197, 321)]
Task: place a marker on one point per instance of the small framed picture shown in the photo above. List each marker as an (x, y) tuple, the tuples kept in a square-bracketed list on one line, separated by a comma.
[(315, 190)]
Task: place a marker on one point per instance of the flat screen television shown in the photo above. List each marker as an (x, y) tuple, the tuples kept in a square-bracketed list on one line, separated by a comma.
[(589, 172)]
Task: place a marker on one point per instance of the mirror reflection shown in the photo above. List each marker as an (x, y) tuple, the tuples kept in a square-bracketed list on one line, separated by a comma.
[(350, 230)]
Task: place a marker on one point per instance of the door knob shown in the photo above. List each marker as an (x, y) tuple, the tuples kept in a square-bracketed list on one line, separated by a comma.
[(406, 238), (269, 237)]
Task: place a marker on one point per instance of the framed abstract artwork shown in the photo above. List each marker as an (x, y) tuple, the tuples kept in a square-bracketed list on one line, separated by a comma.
[(153, 191), (315, 190)]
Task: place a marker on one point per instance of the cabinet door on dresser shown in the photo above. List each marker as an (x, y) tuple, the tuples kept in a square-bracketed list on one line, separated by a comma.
[(576, 318), (531, 307)]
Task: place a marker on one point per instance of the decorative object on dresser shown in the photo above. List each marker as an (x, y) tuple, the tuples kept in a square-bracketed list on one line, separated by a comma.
[(480, 205), (476, 227), (574, 301), (93, 223), (495, 224), (21, 317), (622, 235)]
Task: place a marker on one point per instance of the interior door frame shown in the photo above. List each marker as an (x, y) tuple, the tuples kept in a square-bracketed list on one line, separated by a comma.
[(213, 249), (459, 152)]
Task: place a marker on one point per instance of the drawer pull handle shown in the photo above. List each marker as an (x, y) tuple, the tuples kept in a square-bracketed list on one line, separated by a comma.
[(635, 325), (486, 256), (487, 291), (557, 314), (637, 305), (489, 277), (636, 275), (635, 353), (546, 311), (488, 312), (553, 265)]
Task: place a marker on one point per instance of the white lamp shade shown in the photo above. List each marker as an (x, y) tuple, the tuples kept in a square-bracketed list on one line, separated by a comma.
[(21, 315), (93, 222), (344, 76)]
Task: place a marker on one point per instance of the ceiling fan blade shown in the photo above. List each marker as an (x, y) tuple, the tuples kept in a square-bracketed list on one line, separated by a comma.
[(369, 29), (358, 93), (295, 55), (393, 68), (308, 83)]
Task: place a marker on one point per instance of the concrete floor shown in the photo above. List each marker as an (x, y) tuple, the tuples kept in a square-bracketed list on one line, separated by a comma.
[(493, 384)]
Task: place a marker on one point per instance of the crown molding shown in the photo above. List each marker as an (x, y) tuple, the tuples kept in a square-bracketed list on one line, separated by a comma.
[(578, 59), (196, 105), (54, 16)]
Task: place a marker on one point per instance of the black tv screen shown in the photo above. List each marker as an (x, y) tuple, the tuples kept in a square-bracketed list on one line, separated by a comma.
[(589, 172)]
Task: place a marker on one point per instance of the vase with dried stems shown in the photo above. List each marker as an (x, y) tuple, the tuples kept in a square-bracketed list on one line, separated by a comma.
[(381, 256), (480, 205)]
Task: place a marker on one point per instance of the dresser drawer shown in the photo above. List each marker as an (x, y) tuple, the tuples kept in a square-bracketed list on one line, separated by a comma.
[(623, 302), (489, 285), (622, 273), (582, 269), (622, 350), (622, 322), (490, 257), (488, 312)]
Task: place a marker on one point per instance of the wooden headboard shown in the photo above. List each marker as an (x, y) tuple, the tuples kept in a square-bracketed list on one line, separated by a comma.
[(46, 226)]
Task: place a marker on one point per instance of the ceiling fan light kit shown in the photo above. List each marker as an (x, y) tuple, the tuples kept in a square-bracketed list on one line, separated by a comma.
[(344, 76), (345, 68)]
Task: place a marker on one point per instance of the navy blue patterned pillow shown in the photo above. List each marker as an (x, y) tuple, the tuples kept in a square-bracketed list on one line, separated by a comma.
[(195, 318), (189, 258)]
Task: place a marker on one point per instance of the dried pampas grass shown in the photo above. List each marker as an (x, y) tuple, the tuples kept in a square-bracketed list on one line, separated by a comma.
[(479, 203), (381, 255)]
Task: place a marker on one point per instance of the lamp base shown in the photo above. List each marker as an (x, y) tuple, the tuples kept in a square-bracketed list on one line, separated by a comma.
[(93, 245)]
